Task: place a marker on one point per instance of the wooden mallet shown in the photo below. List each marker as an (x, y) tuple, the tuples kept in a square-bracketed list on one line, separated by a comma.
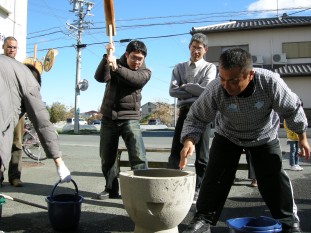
[(110, 21)]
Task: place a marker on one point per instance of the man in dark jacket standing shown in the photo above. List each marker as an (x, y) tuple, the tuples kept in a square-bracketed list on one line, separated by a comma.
[(124, 78)]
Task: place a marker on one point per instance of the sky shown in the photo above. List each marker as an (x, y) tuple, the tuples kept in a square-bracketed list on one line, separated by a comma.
[(163, 25)]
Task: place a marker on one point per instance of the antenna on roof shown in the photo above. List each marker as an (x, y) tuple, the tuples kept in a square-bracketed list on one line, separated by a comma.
[(277, 8)]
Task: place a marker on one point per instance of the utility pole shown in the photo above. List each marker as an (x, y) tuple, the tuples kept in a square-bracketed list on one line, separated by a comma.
[(81, 8)]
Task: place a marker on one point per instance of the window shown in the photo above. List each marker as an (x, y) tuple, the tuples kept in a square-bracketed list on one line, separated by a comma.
[(297, 49)]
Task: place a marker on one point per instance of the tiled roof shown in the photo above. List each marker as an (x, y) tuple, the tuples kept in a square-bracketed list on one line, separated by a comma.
[(253, 24), (294, 70)]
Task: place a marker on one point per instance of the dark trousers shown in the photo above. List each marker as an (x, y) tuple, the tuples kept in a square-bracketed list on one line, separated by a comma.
[(251, 170), (15, 166), (201, 148), (110, 132), (273, 183)]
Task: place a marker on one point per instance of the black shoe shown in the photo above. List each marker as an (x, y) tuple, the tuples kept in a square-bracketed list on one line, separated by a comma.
[(114, 196), (105, 195), (291, 229), (198, 225)]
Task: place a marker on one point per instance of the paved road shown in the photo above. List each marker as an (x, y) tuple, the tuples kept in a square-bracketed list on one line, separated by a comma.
[(81, 156)]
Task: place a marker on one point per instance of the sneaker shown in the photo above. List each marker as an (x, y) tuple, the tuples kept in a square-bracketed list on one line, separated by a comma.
[(195, 198), (105, 195), (296, 168)]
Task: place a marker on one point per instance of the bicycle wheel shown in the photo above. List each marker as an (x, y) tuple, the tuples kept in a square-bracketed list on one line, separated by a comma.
[(32, 147)]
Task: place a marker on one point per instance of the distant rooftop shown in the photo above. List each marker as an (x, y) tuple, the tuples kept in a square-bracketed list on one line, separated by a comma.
[(254, 24), (265, 23), (294, 70)]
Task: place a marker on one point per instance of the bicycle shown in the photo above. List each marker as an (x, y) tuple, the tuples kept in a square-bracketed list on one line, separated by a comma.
[(31, 143)]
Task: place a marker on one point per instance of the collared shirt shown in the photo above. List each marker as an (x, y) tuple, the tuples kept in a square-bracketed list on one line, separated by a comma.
[(189, 80)]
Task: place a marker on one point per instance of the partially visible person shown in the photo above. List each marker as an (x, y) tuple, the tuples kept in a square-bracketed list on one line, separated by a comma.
[(36, 74), (246, 103), (10, 46), (251, 170), (292, 141), (189, 80), (20, 93), (124, 78)]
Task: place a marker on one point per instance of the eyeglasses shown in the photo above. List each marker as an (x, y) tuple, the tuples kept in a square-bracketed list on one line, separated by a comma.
[(136, 59), (12, 47)]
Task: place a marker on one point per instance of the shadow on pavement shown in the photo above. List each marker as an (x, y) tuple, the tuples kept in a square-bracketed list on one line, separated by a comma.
[(89, 222)]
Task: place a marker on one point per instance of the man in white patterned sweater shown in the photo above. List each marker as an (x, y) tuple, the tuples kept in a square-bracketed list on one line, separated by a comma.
[(246, 103)]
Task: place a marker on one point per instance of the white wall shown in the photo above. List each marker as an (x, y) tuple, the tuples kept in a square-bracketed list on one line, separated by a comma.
[(302, 87), (268, 42), (263, 42), (13, 21)]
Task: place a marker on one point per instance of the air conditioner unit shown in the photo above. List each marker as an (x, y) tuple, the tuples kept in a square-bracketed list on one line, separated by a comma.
[(279, 58), (257, 59)]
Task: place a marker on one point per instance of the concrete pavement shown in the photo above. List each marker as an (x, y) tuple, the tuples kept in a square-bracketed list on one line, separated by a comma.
[(109, 216)]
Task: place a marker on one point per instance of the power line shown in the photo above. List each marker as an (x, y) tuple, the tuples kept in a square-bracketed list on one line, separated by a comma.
[(189, 21), (47, 34), (209, 15), (116, 41), (299, 11)]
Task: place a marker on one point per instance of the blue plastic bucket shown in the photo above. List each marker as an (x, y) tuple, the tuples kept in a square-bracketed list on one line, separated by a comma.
[(64, 209), (261, 224)]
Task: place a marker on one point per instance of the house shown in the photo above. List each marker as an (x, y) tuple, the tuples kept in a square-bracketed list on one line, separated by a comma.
[(281, 44), (147, 109), (91, 114), (13, 21)]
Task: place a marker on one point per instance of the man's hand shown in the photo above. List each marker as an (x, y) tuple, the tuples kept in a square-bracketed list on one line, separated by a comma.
[(186, 151), (112, 60), (62, 170), (304, 146), (110, 48)]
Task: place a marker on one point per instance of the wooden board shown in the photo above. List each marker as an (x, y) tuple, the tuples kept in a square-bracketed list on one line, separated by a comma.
[(109, 17)]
